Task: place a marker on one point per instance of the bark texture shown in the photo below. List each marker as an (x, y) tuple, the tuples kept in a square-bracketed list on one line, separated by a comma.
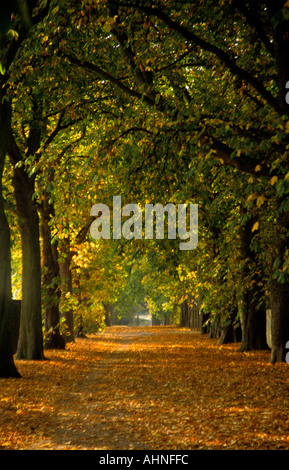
[(7, 365), (51, 279), (30, 344)]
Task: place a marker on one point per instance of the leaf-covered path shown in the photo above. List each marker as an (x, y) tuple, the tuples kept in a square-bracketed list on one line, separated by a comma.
[(155, 388)]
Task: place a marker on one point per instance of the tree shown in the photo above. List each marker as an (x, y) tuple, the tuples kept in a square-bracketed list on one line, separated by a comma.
[(30, 344), (34, 131), (7, 366), (11, 43), (254, 296), (51, 279)]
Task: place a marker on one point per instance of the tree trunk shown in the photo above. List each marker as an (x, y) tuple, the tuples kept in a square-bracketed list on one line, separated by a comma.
[(254, 304), (278, 290), (279, 320), (231, 331), (204, 322), (279, 296), (79, 322), (155, 320), (65, 257), (214, 328), (253, 324), (230, 334), (16, 314), (108, 314), (184, 321), (51, 280), (7, 366), (30, 345)]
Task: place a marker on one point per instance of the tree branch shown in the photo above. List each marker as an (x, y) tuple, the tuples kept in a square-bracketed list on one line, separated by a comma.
[(243, 163), (223, 56), (80, 237), (128, 131), (59, 127), (255, 23), (13, 151), (27, 22), (106, 76)]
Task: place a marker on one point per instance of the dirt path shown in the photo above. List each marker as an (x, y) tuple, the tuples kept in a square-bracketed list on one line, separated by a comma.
[(95, 418), (150, 388)]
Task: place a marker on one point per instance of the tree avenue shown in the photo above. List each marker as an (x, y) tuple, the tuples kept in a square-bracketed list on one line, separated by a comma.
[(159, 103)]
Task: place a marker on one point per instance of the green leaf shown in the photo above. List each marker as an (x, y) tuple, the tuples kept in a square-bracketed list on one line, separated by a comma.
[(2, 69)]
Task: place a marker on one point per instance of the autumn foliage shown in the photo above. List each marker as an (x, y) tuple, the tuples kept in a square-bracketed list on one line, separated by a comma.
[(146, 388)]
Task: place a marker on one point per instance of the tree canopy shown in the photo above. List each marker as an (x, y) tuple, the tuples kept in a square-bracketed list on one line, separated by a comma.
[(157, 102)]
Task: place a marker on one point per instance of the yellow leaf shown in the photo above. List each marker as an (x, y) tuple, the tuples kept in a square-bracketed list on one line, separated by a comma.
[(257, 167), (260, 201), (250, 197), (255, 226), (273, 180)]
